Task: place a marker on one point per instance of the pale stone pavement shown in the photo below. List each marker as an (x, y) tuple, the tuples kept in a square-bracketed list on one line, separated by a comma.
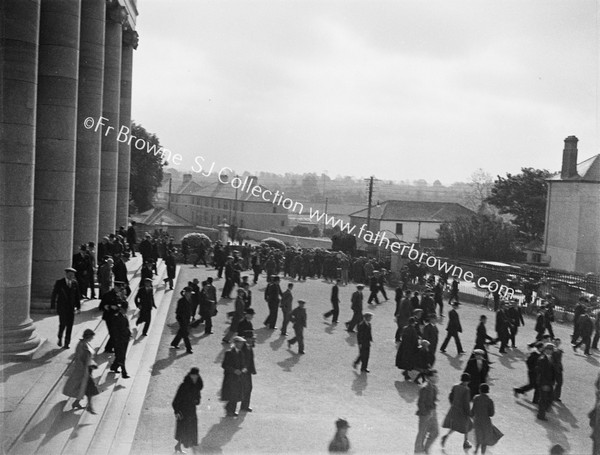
[(296, 399)]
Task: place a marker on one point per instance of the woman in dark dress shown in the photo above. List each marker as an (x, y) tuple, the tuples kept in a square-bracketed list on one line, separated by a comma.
[(407, 350), (184, 405), (482, 412)]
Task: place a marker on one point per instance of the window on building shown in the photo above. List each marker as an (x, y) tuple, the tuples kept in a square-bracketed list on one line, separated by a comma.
[(242, 207), (282, 223), (399, 229), (274, 209), (241, 223)]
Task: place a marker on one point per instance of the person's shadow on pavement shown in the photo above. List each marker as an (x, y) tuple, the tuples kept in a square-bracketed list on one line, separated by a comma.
[(220, 434)]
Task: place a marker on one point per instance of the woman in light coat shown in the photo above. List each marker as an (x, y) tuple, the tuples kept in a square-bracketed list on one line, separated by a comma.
[(80, 382)]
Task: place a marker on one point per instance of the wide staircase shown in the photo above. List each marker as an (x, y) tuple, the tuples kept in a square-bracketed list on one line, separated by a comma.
[(45, 423)]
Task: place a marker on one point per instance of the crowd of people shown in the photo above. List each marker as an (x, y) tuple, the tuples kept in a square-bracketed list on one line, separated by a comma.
[(416, 313)]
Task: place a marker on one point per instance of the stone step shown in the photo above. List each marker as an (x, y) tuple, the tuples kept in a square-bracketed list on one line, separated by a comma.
[(45, 415)]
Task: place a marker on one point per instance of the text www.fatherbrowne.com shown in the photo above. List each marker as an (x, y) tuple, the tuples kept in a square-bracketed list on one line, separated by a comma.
[(247, 185)]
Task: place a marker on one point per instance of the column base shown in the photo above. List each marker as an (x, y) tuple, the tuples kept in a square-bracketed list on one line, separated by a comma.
[(20, 342)]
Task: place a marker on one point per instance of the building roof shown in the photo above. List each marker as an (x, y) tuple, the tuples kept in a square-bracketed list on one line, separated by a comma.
[(588, 171), (189, 187), (159, 217), (415, 211), (226, 191)]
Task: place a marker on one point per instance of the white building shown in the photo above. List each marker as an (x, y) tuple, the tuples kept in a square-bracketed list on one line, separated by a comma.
[(411, 221)]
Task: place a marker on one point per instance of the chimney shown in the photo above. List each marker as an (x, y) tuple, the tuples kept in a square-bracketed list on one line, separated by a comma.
[(569, 163), (187, 178)]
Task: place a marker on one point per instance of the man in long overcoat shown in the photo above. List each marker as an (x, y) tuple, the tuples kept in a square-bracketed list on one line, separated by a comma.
[(403, 312), (272, 296), (234, 366), (66, 298), (364, 338)]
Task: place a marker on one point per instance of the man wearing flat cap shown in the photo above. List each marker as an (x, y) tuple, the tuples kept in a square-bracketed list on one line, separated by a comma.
[(340, 442), (234, 366), (66, 298)]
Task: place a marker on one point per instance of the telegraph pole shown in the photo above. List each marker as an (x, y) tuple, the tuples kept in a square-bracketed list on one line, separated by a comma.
[(169, 197), (370, 190), (324, 221)]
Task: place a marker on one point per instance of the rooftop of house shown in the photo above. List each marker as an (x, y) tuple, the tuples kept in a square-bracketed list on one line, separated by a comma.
[(415, 211), (587, 171)]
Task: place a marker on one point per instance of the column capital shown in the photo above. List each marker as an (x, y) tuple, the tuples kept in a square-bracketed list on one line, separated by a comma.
[(115, 12), (130, 38)]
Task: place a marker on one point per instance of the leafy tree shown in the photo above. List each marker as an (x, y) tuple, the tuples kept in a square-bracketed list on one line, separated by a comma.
[(146, 170), (524, 197), (479, 190), (480, 236)]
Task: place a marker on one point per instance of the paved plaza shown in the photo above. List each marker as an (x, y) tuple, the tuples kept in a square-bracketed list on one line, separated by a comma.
[(296, 399)]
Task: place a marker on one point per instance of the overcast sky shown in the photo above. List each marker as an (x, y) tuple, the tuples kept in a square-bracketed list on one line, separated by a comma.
[(395, 89)]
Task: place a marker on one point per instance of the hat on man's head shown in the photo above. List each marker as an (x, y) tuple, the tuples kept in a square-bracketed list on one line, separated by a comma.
[(368, 313), (465, 377), (479, 351), (119, 283), (88, 333), (301, 301), (194, 371), (238, 338), (250, 311), (147, 280), (70, 269), (187, 289), (341, 423), (360, 286), (209, 279)]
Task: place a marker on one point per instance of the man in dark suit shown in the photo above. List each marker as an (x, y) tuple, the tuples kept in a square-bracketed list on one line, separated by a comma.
[(144, 300), (453, 329), (531, 371), (66, 298), (374, 288), (364, 339), (234, 366), (298, 319), (82, 265), (357, 307), (272, 295), (120, 336), (184, 313), (403, 312), (111, 301), (502, 327), (545, 380), (145, 248), (586, 328), (131, 238), (515, 317), (335, 303), (431, 334)]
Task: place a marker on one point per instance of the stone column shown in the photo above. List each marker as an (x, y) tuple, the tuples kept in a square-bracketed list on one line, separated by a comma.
[(115, 16), (19, 34), (56, 129), (130, 42), (91, 78)]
